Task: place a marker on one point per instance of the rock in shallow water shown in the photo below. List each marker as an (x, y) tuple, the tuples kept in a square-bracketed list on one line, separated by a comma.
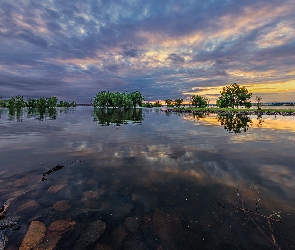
[(166, 226), (62, 226), (54, 233), (132, 224), (61, 206), (135, 245), (31, 205), (34, 235), (92, 234), (118, 236), (54, 189)]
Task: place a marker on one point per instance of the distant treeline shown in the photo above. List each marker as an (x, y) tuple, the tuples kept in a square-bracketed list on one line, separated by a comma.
[(18, 102)]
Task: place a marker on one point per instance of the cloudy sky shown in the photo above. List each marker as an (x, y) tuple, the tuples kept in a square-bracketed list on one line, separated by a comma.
[(163, 48)]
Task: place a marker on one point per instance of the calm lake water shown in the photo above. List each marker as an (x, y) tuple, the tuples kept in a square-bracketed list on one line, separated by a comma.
[(163, 181)]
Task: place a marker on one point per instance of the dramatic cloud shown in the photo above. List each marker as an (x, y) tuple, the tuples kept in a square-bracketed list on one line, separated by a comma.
[(165, 49)]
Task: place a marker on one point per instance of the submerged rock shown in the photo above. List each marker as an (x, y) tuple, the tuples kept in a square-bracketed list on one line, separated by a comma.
[(101, 246), (90, 199), (166, 226), (118, 236), (135, 245), (61, 226), (34, 236), (61, 206), (54, 189), (132, 224), (54, 233), (92, 234), (23, 181), (28, 205)]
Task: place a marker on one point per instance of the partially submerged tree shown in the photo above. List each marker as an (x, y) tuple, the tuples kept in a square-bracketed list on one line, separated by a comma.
[(136, 98), (103, 99), (51, 102), (117, 100), (178, 102), (199, 101), (234, 96), (258, 102)]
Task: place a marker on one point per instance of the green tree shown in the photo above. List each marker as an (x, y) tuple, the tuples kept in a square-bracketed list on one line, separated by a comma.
[(103, 99), (41, 103), (19, 102), (117, 100), (136, 98), (234, 96), (121, 100), (51, 102), (31, 103), (3, 103), (198, 101), (178, 102), (73, 104), (11, 103), (127, 102)]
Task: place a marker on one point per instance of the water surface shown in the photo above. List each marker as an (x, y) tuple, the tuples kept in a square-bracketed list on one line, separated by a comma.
[(161, 181)]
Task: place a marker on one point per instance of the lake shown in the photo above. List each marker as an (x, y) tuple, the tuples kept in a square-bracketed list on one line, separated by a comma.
[(146, 179)]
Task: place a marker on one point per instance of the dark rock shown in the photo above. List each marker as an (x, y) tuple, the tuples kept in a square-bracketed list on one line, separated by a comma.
[(54, 189), (61, 206), (30, 205), (167, 227), (91, 235), (132, 224), (54, 233), (118, 236), (135, 245)]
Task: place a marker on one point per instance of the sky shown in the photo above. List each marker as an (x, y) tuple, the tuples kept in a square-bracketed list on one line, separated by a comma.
[(162, 48)]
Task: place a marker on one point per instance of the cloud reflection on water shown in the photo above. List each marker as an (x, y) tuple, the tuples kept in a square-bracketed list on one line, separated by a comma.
[(199, 150)]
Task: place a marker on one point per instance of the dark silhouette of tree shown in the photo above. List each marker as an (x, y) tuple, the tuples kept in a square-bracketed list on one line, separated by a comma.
[(199, 101)]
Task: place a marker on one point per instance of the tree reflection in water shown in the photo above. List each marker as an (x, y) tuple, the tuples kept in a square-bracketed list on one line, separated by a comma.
[(117, 117), (38, 113), (234, 123), (260, 120), (42, 113)]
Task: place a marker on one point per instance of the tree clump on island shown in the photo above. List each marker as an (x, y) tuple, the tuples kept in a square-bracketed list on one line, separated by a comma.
[(18, 102), (234, 96), (199, 101), (106, 99)]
